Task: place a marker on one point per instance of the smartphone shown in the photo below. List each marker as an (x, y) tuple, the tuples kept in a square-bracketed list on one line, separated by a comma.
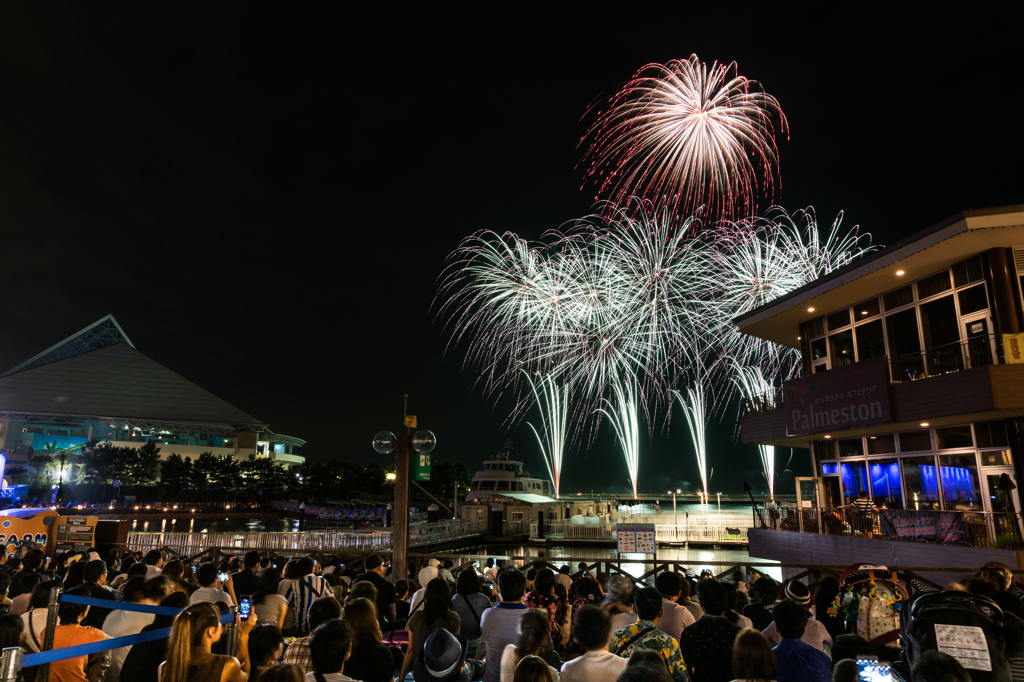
[(477, 564), (223, 577), (245, 606), (874, 671)]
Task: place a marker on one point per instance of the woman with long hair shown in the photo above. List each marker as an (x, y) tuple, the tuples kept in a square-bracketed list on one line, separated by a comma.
[(533, 638), (370, 661), (142, 663), (189, 655), (266, 646), (533, 669), (270, 607), (543, 597), (470, 604), (752, 658), (284, 672), (436, 612)]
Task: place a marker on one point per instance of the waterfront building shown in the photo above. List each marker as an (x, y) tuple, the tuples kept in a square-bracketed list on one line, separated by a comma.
[(97, 384)]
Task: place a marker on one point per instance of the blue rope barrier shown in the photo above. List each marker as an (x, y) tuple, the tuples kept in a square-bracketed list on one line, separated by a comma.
[(106, 644), (120, 605)]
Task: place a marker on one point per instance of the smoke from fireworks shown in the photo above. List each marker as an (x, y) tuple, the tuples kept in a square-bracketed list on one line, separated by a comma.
[(685, 136)]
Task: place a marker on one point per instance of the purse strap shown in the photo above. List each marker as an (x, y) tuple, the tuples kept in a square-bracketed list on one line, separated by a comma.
[(471, 609), (629, 642)]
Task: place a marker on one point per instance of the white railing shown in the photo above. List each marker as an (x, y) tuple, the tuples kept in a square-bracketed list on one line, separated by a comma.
[(573, 530), (700, 533)]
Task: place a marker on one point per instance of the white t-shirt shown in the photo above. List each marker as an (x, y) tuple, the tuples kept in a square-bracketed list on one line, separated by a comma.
[(210, 594), (269, 610), (509, 661), (19, 604), (35, 622), (594, 666), (121, 624)]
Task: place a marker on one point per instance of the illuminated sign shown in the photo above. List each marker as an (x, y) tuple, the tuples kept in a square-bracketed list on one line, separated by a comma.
[(843, 398)]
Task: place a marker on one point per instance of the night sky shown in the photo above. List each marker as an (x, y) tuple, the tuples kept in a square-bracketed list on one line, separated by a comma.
[(264, 198)]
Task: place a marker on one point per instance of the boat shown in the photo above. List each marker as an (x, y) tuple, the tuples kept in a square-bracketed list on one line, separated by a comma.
[(503, 476)]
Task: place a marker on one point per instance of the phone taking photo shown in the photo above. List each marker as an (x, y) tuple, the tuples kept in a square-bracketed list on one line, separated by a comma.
[(873, 671), (223, 577), (245, 606)]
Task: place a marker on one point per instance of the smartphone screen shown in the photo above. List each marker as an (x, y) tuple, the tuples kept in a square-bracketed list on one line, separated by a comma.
[(873, 671), (245, 606), (223, 577)]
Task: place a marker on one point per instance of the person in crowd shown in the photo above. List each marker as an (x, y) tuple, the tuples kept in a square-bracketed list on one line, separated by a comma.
[(154, 561), (534, 669), (815, 633), (645, 666), (686, 587), (533, 639), (618, 601), (402, 600), (212, 590), (588, 591), (543, 597), (445, 571), (137, 570), (142, 662), (739, 581), (371, 660), (470, 604), (300, 593), (265, 563), (76, 572), (644, 635), (320, 611), (562, 578), (374, 574), (35, 617), (825, 592), (426, 574), (269, 606), (675, 618), (707, 644), (760, 612), (752, 657), (444, 658), (12, 631), (500, 624), (362, 590), (119, 573), (935, 666), (5, 587), (71, 633), (19, 604), (592, 629), (283, 672), (436, 613), (797, 660), (189, 655), (731, 612), (846, 670), (330, 647), (266, 645), (246, 581), (120, 623)]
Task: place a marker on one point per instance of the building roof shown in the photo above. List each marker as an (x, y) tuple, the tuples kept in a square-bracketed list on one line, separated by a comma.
[(100, 334), (950, 241)]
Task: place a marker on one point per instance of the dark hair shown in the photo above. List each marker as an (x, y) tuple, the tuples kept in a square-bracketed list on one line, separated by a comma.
[(586, 587), (534, 632), (591, 627), (32, 560), (252, 560), (269, 582), (730, 601), (153, 556), (544, 581), (176, 600), (790, 619), (644, 657), (436, 603), (329, 646), (767, 589), (645, 669), (647, 601), (11, 627), (303, 567), (825, 593), (564, 570), (511, 584), (207, 575), (447, 563), (69, 612), (29, 581), (137, 569), (981, 586), (668, 584), (265, 563), (363, 589), (712, 597), (283, 672), (846, 670), (1009, 603), (134, 589), (402, 586), (934, 666), (322, 610), (263, 642), (468, 583), (173, 568), (74, 578), (582, 566), (752, 657), (533, 669), (41, 594), (157, 587), (5, 582)]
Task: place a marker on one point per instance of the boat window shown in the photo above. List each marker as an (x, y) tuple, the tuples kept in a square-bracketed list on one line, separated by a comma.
[(502, 485), (486, 485), (476, 485)]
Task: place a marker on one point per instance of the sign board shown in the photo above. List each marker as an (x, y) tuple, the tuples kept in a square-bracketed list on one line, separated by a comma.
[(843, 398), (420, 467), (410, 421), (967, 644), (636, 538), (1013, 348), (33, 525)]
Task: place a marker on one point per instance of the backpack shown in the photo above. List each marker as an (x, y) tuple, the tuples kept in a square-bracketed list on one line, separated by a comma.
[(966, 626), (869, 603)]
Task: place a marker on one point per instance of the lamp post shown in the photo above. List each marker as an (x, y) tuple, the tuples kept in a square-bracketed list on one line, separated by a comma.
[(719, 503), (675, 517)]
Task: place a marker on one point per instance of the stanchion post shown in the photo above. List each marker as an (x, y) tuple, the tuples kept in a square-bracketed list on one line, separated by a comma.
[(231, 632), (51, 625), (10, 664)]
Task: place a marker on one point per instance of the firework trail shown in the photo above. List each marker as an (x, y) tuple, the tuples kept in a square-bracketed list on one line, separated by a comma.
[(622, 413), (686, 136), (696, 419), (553, 400)]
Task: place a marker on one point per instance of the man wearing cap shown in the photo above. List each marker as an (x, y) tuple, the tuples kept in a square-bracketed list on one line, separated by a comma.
[(385, 591), (444, 659), (815, 633)]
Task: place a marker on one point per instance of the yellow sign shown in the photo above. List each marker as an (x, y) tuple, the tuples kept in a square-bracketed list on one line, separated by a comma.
[(410, 421), (1013, 348)]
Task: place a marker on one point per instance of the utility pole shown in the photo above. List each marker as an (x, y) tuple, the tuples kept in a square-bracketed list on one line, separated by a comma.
[(400, 528)]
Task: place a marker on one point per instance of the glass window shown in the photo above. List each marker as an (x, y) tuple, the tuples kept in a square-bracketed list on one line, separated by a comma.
[(865, 309), (818, 350), (915, 441), (816, 328), (486, 485), (898, 298), (502, 485), (904, 345), (960, 485), (954, 437), (995, 458), (991, 434), (853, 447), (884, 444), (972, 300), (829, 468), (885, 483), (936, 284), (842, 348), (840, 318), (854, 476), (824, 449), (870, 341), (921, 482), (941, 331), (968, 271)]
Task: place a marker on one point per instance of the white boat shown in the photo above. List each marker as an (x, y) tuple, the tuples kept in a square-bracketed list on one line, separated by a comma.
[(502, 476)]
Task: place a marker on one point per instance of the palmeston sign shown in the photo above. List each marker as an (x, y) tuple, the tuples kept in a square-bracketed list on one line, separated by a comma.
[(843, 398)]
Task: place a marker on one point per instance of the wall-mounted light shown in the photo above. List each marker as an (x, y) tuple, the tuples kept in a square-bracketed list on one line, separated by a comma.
[(810, 310), (924, 423), (900, 273)]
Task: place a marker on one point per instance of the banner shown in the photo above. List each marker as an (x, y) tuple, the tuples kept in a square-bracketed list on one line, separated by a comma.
[(927, 526), (1013, 348), (843, 398)]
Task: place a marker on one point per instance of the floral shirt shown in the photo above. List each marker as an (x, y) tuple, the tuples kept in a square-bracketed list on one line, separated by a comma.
[(556, 613), (665, 645)]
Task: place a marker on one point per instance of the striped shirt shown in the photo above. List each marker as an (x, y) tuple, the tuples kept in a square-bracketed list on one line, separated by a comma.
[(862, 504), (300, 594)]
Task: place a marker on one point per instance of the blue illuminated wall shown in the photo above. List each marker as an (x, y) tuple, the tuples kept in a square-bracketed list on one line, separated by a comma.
[(885, 483), (829, 468), (958, 486), (854, 478)]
